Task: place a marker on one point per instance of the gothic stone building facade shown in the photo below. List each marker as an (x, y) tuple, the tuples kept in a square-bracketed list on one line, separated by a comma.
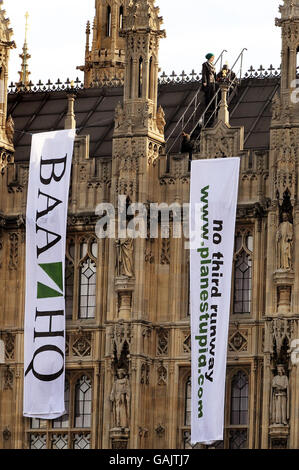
[(128, 322)]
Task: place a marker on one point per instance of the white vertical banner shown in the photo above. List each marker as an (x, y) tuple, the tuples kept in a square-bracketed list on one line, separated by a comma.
[(213, 203), (44, 329)]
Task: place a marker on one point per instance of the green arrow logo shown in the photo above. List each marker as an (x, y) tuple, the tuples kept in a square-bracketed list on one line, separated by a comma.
[(54, 271)]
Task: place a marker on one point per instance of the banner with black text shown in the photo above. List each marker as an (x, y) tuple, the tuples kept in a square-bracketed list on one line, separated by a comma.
[(44, 329), (213, 202)]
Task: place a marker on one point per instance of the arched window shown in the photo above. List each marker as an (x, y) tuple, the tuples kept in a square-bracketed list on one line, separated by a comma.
[(71, 431), (188, 402), (243, 273), (186, 429), (69, 279), (140, 77), (88, 275), (63, 422), (109, 22), (238, 437), (130, 81), (150, 81), (83, 400), (239, 399), (121, 17)]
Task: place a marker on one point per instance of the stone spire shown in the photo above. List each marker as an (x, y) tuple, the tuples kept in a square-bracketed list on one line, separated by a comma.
[(25, 56), (142, 33), (6, 125), (106, 58), (70, 120), (289, 23), (138, 144), (289, 10)]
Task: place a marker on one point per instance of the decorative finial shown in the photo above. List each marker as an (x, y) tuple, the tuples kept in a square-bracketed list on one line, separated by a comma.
[(25, 56), (26, 25)]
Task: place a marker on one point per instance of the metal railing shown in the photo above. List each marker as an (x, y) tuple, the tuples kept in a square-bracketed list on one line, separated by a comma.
[(201, 119), (181, 122)]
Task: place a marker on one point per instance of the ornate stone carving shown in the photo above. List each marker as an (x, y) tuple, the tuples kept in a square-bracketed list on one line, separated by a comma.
[(8, 378), (163, 338), (221, 141), (160, 431), (13, 251), (148, 256), (284, 146), (120, 399), (67, 345), (238, 341), (165, 251), (83, 174), (280, 398), (162, 375), (154, 151), (6, 434), (121, 334), (281, 330), (276, 108), (82, 344), (9, 340), (281, 443), (121, 444), (143, 15), (187, 342), (145, 371), (284, 240)]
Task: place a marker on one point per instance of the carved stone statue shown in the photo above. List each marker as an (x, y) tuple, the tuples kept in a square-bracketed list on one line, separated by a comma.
[(124, 255), (276, 107), (284, 243), (119, 115), (146, 115), (280, 397), (120, 398), (10, 129), (161, 120)]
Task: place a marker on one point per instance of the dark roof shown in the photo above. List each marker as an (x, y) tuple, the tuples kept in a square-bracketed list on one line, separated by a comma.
[(42, 111)]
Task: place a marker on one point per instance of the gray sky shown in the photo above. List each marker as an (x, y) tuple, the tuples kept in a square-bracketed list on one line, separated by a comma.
[(194, 27)]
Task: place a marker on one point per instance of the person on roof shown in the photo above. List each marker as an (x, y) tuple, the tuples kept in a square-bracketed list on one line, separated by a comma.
[(209, 87), (209, 77), (187, 144), (226, 75)]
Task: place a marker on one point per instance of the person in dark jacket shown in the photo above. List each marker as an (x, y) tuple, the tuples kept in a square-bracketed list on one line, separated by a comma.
[(209, 77), (225, 75), (187, 144)]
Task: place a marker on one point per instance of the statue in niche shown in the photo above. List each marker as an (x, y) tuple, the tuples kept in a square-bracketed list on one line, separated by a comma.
[(119, 115), (161, 122), (124, 256), (120, 399), (10, 129), (280, 397), (284, 243)]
